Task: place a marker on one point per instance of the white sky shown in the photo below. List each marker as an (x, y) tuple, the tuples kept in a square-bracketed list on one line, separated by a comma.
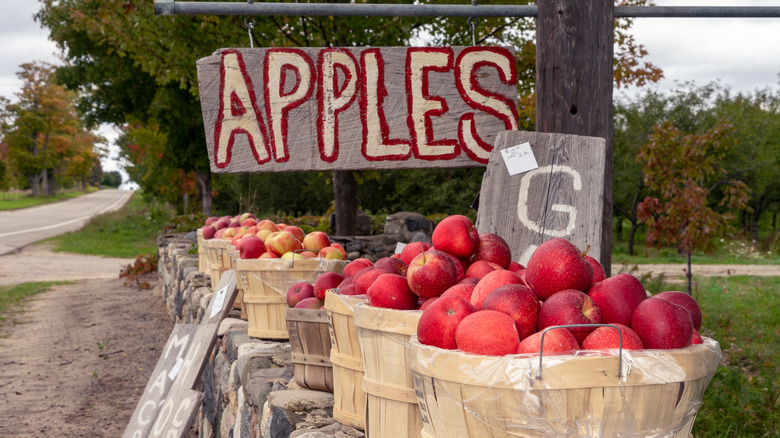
[(742, 53)]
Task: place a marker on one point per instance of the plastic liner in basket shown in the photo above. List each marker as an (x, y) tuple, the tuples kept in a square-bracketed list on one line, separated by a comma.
[(657, 394)]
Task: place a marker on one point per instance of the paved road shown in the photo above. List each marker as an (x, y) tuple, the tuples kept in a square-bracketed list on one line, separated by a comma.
[(19, 228)]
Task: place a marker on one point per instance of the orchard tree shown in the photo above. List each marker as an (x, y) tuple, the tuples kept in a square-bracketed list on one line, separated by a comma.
[(684, 169), (46, 140), (756, 159)]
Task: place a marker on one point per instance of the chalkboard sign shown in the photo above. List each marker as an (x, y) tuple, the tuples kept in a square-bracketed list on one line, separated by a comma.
[(169, 402), (297, 109), (563, 196)]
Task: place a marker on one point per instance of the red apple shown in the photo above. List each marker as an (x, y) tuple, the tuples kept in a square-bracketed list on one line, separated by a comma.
[(520, 303), (349, 289), (315, 241), (209, 231), (365, 278), (309, 303), (440, 319), (490, 282), (469, 280), (487, 332), (696, 338), (391, 291), (431, 273), (463, 290), (557, 265), (557, 341), (268, 255), (251, 247), (617, 297), (356, 265), (267, 224), (599, 274), (392, 264), (341, 250), (493, 248), (210, 220), (412, 250), (298, 292), (685, 300), (480, 268), (282, 243), (460, 270), (326, 280), (456, 235), (248, 222), (516, 267), (662, 324), (570, 306), (331, 253), (296, 231), (607, 337)]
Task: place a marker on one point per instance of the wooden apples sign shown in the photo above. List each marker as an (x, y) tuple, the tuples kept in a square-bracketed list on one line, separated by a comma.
[(297, 109)]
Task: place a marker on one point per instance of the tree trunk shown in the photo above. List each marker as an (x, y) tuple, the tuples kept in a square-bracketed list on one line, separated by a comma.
[(619, 228), (631, 237), (574, 52), (689, 274), (204, 187), (35, 184), (345, 197)]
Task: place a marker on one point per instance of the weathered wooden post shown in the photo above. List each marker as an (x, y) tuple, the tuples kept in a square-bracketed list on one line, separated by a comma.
[(574, 51)]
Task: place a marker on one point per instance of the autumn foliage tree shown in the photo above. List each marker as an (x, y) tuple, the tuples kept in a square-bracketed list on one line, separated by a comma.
[(47, 142), (685, 171)]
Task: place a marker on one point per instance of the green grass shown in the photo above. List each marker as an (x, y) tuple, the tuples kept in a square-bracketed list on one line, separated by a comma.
[(14, 201), (736, 251), (743, 314), (12, 296), (126, 233)]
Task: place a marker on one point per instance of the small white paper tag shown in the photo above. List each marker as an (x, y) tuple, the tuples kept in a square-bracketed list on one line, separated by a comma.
[(176, 368), (219, 301), (519, 159), (399, 247)]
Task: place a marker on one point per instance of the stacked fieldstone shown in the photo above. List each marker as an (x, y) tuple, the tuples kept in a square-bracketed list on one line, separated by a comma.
[(247, 383)]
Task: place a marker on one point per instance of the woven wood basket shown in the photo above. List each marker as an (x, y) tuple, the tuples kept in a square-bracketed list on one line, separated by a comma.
[(349, 400), (214, 248), (203, 261), (656, 393), (391, 401), (310, 344), (265, 283), (238, 303)]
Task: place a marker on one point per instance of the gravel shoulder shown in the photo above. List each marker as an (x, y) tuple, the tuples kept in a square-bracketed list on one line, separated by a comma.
[(76, 359)]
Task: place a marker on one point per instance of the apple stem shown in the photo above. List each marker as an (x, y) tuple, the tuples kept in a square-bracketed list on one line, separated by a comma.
[(584, 253), (422, 251)]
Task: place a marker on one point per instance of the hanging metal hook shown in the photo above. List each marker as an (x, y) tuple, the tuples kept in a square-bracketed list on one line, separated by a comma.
[(472, 25), (249, 22)]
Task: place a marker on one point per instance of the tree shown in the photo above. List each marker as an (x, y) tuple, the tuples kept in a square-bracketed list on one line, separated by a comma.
[(46, 140), (756, 159), (115, 47), (684, 169)]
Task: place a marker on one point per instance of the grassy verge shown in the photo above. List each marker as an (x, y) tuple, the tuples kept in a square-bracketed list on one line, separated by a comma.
[(12, 296), (126, 233), (14, 201), (742, 314)]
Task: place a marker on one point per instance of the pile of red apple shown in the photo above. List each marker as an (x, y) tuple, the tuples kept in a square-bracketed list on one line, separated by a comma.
[(264, 239), (499, 308)]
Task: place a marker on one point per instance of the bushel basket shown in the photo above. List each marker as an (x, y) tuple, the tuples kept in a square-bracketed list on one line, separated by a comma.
[(265, 283), (657, 394)]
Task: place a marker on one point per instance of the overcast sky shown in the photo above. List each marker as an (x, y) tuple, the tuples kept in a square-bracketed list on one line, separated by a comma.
[(742, 53)]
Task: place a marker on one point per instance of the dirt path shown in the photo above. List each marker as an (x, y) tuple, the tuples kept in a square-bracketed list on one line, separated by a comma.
[(53, 380)]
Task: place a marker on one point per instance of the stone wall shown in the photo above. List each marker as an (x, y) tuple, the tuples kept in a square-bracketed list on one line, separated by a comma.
[(248, 385)]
